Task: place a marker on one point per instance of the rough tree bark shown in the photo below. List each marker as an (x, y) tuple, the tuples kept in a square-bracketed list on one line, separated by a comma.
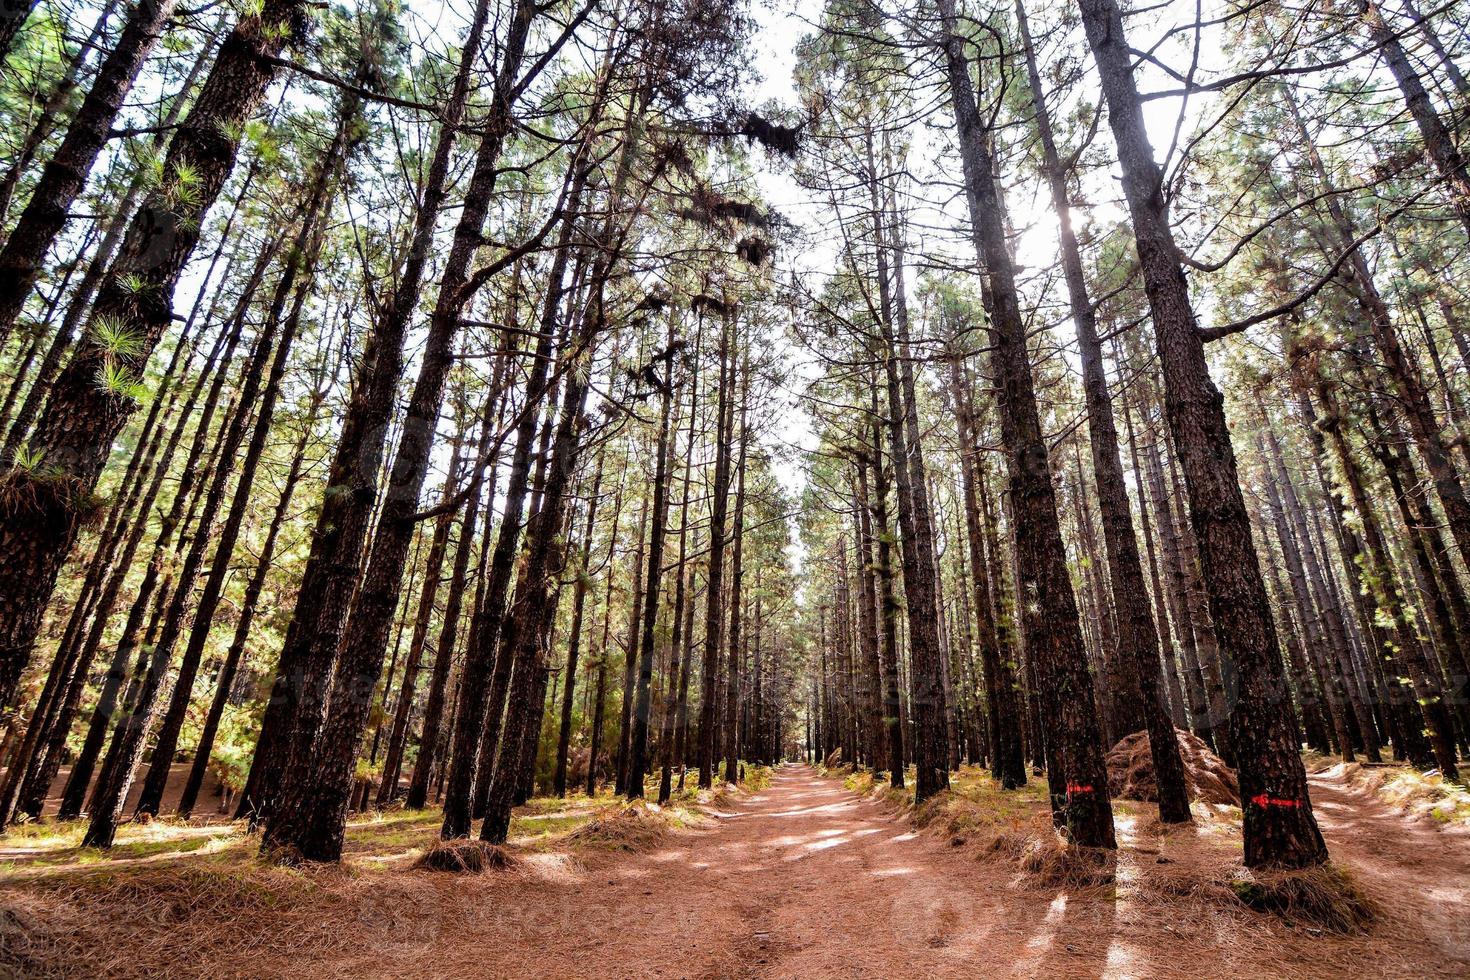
[(74, 434), (1279, 827), (1053, 634), (64, 175), (1138, 642)]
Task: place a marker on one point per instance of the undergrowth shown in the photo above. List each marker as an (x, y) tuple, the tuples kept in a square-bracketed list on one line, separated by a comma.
[(464, 857), (1325, 897), (633, 827), (1422, 794)]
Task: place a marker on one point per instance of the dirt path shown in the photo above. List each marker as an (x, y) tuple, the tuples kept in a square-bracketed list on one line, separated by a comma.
[(807, 880), (801, 880), (1425, 868)]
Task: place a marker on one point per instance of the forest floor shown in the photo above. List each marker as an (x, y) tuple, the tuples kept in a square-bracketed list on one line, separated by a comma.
[(810, 877)]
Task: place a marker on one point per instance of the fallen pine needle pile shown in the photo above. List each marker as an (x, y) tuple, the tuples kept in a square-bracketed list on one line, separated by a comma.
[(635, 827), (1324, 897), (1131, 771), (464, 857), (1054, 863)]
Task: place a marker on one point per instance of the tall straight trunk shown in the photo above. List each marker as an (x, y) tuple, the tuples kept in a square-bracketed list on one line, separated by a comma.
[(79, 302), (1454, 657), (428, 597), (595, 710), (574, 637), (715, 578), (1377, 570), (1280, 829), (249, 606), (318, 776), (737, 584), (483, 681), (129, 742), (500, 678), (874, 733), (141, 463), (638, 763), (65, 174), (1138, 696), (1112, 676), (1201, 716), (1053, 636), (680, 746), (1405, 374), (1425, 677), (599, 697), (216, 365), (676, 697), (75, 433), (1438, 140), (167, 542), (12, 18), (630, 653), (1214, 673), (946, 656), (1378, 640), (1003, 727), (916, 536), (52, 112), (39, 758), (155, 646), (1179, 707), (1314, 635), (523, 635), (1429, 32), (434, 703), (524, 774), (887, 603), (1325, 597), (301, 687), (1314, 720), (297, 279)]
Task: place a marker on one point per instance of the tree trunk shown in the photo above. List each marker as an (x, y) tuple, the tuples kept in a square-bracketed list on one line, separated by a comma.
[(301, 262), (1052, 633), (1007, 753), (111, 794), (249, 605), (75, 433), (65, 174), (523, 635), (428, 595), (1326, 600), (630, 653), (715, 578), (1279, 827), (643, 707), (1141, 699), (887, 602), (314, 793), (12, 18), (931, 757), (737, 582), (294, 711), (1437, 138), (574, 638)]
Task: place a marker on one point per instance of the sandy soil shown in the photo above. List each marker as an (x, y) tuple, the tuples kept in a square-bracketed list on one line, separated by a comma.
[(806, 879)]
